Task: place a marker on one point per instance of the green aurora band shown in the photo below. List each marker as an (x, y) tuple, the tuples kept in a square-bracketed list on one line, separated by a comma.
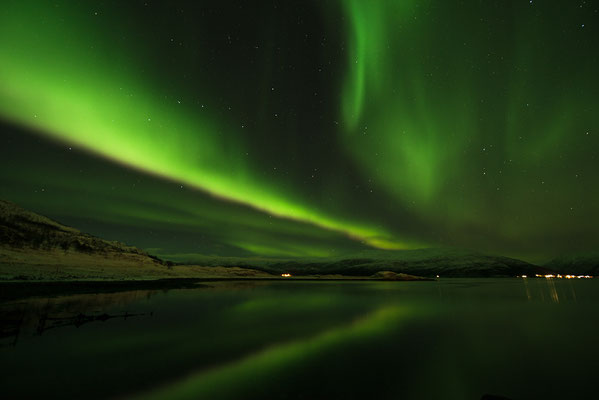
[(52, 81), (475, 132)]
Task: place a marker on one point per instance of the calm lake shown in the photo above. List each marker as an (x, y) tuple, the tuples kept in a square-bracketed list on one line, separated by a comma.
[(446, 339)]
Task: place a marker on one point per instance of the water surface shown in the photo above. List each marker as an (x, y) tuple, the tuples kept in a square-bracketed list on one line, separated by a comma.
[(447, 339)]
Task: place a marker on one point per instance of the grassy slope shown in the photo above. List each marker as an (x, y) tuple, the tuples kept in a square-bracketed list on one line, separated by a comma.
[(35, 247)]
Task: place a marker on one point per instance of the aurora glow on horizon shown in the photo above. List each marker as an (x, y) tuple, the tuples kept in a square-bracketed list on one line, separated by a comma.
[(309, 129)]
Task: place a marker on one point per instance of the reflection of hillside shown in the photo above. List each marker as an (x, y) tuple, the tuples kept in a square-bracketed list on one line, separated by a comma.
[(37, 315)]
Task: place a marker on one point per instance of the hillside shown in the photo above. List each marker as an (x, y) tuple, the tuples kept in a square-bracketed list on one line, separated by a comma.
[(34, 247), (29, 239), (24, 230)]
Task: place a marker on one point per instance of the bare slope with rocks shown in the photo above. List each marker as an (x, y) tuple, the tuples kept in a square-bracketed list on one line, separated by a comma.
[(29, 240)]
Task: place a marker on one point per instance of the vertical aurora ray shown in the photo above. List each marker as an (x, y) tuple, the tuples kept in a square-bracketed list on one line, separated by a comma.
[(390, 127), (464, 114)]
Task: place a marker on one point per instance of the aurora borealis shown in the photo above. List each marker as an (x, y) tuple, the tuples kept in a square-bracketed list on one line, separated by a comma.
[(313, 128)]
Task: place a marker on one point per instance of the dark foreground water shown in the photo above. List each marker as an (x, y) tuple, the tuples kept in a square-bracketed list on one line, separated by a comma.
[(448, 339)]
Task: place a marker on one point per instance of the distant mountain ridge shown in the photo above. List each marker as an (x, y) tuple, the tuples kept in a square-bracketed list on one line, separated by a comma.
[(579, 264), (421, 262)]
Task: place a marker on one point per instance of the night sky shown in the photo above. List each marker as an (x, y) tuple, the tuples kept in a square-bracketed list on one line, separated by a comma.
[(306, 128)]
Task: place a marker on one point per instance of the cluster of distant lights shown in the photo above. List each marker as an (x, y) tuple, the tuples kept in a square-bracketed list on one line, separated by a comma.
[(550, 276)]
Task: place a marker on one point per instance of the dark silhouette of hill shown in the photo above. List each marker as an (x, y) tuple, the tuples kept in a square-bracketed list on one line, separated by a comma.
[(577, 264)]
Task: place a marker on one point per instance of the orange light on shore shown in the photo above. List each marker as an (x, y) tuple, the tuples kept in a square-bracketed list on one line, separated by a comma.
[(286, 275)]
